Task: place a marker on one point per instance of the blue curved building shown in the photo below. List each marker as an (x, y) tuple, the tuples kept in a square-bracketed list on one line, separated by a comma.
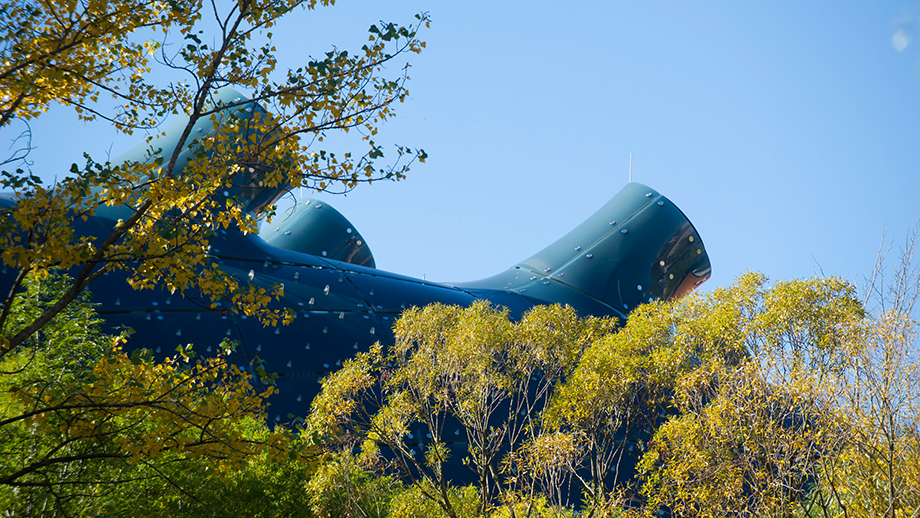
[(637, 247)]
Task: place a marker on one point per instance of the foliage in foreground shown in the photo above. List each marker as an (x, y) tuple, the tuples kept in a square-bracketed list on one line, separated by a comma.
[(755, 400), (84, 426), (99, 57)]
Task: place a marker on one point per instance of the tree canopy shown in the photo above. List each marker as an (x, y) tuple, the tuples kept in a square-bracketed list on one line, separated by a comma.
[(84, 426), (755, 400), (81, 53), (82, 423)]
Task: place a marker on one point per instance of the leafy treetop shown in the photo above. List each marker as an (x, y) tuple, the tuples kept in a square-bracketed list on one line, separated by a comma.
[(75, 53)]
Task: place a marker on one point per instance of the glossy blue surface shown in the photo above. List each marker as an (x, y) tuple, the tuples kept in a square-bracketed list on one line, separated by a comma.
[(637, 247)]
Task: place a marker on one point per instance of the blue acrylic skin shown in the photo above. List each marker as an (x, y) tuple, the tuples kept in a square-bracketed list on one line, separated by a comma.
[(638, 247)]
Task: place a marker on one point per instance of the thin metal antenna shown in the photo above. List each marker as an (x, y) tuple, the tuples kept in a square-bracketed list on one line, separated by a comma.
[(630, 167)]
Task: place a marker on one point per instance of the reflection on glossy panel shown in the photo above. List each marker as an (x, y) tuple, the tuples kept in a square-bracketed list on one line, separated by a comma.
[(638, 247)]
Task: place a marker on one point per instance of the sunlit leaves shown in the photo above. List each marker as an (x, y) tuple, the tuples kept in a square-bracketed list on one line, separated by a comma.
[(806, 424), (783, 399), (75, 52), (170, 205), (77, 414), (487, 376), (753, 449)]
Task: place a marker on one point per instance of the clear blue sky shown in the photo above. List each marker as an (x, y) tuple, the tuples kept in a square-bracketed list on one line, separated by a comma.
[(788, 132)]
